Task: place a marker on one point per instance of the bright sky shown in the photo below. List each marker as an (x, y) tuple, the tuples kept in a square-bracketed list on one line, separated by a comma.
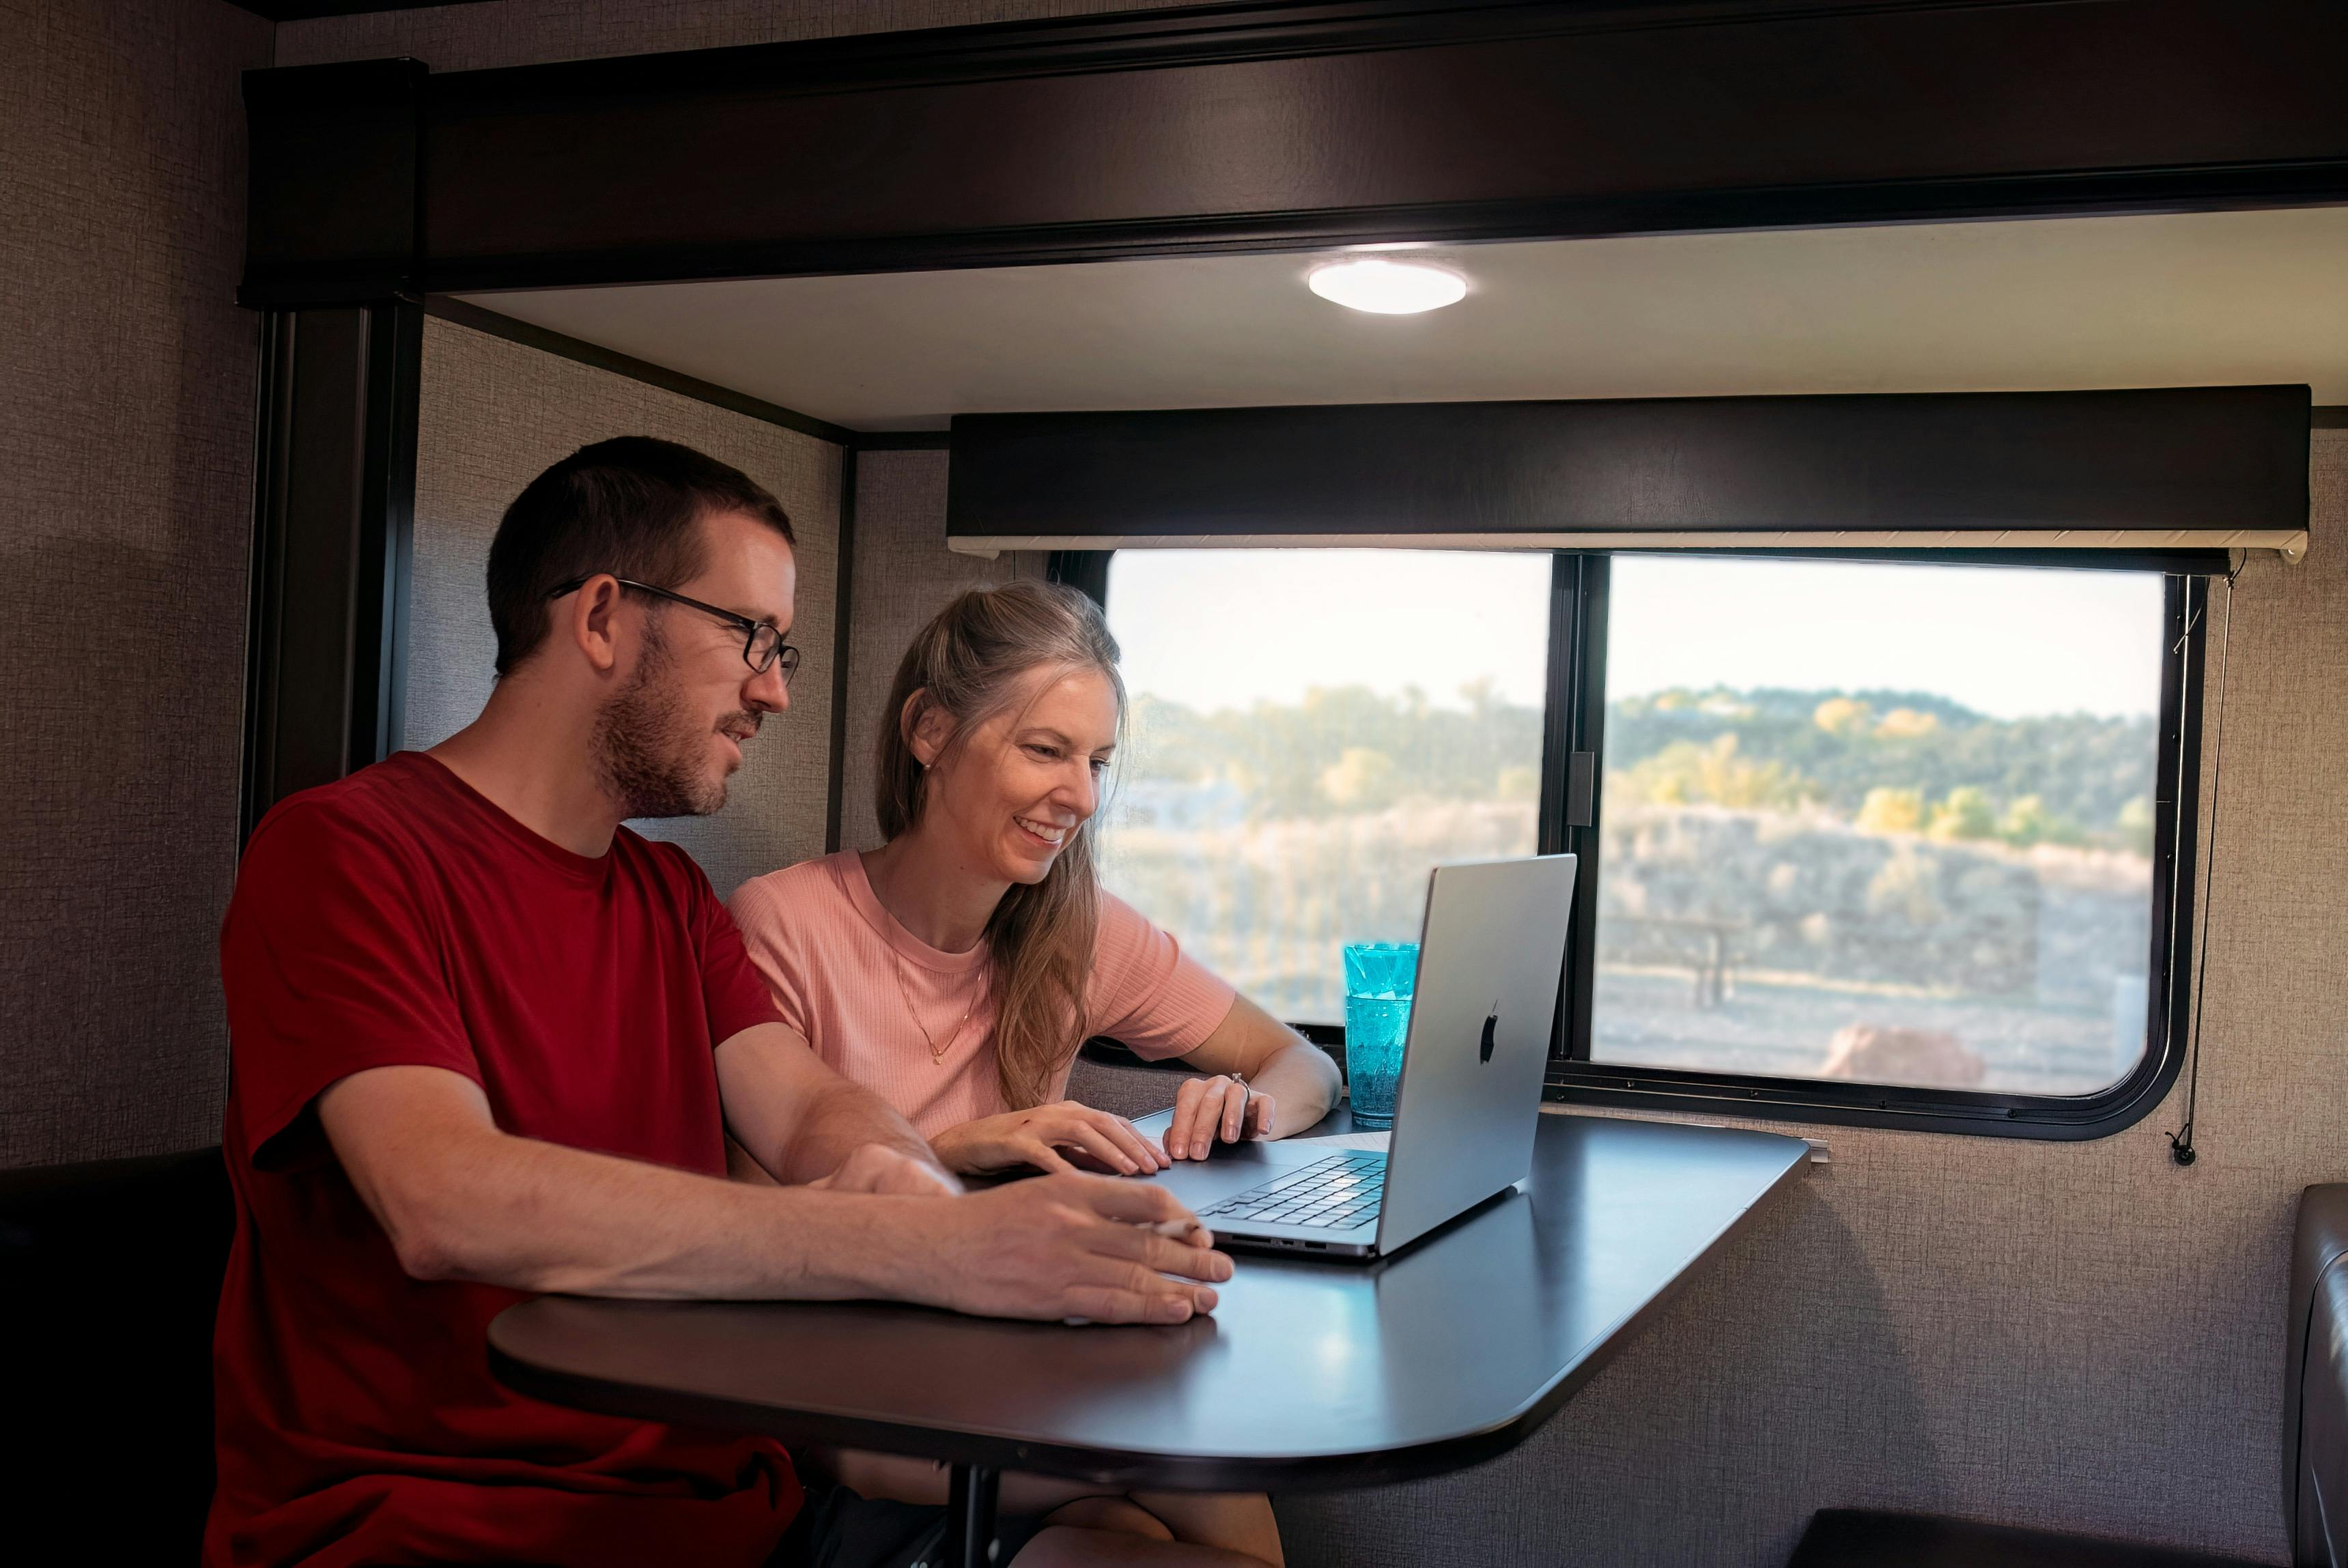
[(1225, 629), (2005, 642)]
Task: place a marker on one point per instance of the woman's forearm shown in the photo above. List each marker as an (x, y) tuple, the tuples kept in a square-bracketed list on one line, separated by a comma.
[(1302, 1081), (1273, 1059)]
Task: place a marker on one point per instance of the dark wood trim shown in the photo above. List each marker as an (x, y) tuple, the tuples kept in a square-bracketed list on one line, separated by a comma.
[(334, 526), (335, 192), (2149, 469), (313, 10), (1558, 728), (387, 531), (904, 440), (1270, 126), (2328, 416), (465, 314), (842, 622), (1577, 700), (1086, 571), (264, 570)]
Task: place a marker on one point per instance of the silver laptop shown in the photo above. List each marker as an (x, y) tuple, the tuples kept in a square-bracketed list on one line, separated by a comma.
[(1491, 950)]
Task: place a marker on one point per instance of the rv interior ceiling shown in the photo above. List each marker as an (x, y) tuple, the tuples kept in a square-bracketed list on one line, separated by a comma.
[(2166, 300)]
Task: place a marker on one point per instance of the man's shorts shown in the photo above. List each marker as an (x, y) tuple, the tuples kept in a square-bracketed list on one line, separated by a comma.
[(836, 1528)]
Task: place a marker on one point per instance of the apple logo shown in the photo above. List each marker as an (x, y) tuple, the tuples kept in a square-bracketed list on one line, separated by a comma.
[(1484, 1052)]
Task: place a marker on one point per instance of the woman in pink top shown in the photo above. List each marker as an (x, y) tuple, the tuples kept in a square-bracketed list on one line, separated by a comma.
[(956, 969)]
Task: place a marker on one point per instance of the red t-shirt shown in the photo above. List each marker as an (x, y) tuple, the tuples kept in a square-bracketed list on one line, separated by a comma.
[(398, 916)]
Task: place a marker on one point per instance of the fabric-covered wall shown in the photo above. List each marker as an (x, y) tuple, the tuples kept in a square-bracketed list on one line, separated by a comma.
[(902, 575), (126, 440), (494, 415)]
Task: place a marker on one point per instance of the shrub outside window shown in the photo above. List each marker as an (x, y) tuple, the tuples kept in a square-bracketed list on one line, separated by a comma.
[(1310, 732), (1883, 823)]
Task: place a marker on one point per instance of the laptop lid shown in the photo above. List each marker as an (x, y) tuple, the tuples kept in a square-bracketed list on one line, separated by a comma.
[(1491, 955)]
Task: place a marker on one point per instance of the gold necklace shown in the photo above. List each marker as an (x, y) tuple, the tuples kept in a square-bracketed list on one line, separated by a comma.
[(937, 1051)]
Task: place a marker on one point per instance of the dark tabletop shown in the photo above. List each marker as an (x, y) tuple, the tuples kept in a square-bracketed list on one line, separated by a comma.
[(1310, 1374)]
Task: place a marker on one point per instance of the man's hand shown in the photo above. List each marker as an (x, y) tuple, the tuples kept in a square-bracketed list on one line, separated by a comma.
[(880, 1168), (1221, 1108), (1100, 1140), (1070, 1246)]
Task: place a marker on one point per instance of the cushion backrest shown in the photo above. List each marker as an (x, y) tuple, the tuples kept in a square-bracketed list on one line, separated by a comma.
[(109, 1279), (2315, 1382)]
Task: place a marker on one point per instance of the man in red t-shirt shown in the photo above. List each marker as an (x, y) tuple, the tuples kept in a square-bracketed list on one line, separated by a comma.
[(488, 1043)]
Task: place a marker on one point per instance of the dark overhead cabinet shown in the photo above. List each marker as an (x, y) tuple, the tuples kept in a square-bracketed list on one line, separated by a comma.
[(1255, 127), (2195, 469)]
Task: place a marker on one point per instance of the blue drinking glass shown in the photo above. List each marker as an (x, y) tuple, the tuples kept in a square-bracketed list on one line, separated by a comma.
[(1380, 979)]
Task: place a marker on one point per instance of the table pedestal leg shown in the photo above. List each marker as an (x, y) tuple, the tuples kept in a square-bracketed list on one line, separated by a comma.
[(970, 1514)]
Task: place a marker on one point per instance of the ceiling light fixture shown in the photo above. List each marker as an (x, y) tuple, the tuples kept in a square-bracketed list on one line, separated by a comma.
[(1387, 288)]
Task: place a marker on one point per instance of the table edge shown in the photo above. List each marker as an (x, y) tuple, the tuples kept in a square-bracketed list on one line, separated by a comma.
[(1318, 1471)]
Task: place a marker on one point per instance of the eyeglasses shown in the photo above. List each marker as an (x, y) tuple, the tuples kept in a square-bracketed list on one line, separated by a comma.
[(763, 648)]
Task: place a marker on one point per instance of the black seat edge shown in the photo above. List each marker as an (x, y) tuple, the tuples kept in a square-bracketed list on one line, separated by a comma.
[(110, 1281), (2315, 1371), (1865, 1538), (97, 1178)]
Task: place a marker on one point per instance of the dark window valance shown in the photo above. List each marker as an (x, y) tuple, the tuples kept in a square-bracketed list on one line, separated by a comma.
[(2164, 475)]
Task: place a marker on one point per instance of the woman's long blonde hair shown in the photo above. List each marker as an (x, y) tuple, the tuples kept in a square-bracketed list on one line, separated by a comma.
[(970, 661)]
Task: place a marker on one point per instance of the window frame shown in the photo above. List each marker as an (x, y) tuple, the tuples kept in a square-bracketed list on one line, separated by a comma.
[(1569, 820), (1577, 696)]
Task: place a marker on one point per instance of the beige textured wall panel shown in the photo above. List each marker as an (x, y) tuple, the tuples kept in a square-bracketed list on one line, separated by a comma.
[(126, 444), (528, 32), (495, 414), (902, 575), (2081, 1335)]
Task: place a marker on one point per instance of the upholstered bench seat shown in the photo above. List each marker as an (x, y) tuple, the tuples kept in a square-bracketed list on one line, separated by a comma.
[(109, 1276), (1855, 1538)]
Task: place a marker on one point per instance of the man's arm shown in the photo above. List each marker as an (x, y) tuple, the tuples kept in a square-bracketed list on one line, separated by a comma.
[(798, 1118), (1290, 1084), (461, 1200)]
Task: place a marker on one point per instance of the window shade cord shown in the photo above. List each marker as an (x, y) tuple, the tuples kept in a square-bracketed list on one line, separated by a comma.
[(2180, 1142)]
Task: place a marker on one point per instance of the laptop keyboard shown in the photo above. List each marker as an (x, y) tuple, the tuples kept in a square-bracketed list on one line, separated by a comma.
[(1336, 1194)]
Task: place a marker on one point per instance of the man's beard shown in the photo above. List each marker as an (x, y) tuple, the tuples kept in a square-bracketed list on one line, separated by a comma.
[(648, 753)]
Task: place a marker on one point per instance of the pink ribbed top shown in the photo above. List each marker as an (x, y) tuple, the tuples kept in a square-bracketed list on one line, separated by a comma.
[(844, 972)]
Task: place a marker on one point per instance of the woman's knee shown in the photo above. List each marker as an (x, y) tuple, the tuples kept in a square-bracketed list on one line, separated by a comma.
[(1071, 1546), (1240, 1521), (1117, 1514)]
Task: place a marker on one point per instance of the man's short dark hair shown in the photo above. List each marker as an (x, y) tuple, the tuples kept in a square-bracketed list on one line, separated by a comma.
[(629, 507)]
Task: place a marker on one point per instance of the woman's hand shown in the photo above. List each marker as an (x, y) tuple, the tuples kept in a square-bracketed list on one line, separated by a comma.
[(1221, 1108), (1062, 1136)]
